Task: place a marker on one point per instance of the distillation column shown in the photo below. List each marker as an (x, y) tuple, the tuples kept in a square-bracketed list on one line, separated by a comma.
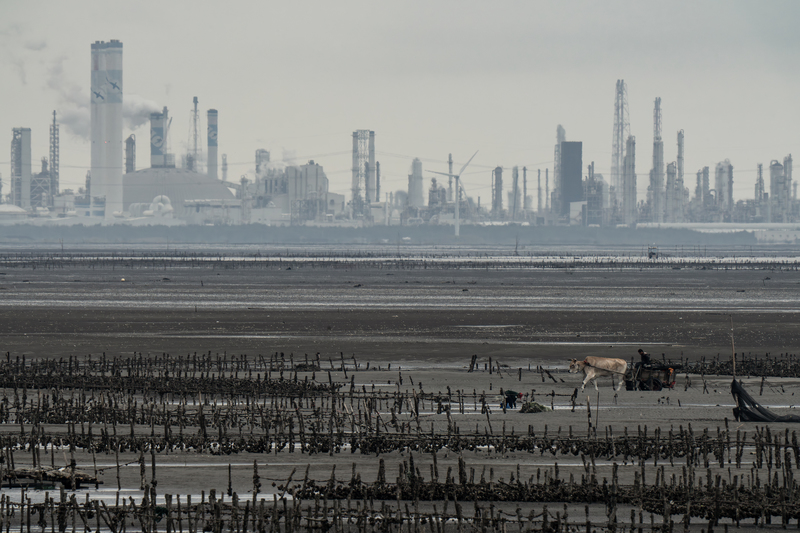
[(669, 197), (371, 189), (680, 207), (622, 129), (657, 174), (629, 209)]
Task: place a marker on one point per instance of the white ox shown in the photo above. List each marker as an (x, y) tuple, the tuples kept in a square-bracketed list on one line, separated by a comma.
[(592, 367)]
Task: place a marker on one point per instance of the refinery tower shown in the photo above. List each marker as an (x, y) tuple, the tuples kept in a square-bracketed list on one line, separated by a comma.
[(106, 123)]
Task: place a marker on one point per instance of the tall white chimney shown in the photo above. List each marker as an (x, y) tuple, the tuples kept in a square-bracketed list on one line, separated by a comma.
[(106, 123), (96, 111)]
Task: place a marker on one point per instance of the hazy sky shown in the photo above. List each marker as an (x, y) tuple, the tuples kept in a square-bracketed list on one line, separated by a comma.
[(429, 77)]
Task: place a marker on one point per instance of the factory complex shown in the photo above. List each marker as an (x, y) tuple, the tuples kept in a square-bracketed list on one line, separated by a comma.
[(194, 189)]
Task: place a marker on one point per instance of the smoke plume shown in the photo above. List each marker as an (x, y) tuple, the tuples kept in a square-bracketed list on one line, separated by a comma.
[(36, 46), (74, 103), (73, 100), (10, 35), (136, 110), (289, 156)]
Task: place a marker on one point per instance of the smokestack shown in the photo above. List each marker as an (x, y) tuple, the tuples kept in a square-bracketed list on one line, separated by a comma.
[(514, 195), (547, 189), (525, 203), (106, 123), (97, 109), (113, 133), (212, 143), (157, 140), (130, 154), (539, 192), (497, 193)]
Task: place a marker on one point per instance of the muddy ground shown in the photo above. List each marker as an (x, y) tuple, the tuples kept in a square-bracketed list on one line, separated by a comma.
[(426, 324), (543, 317)]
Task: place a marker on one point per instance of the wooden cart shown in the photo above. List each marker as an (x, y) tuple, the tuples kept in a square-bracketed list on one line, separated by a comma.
[(650, 377)]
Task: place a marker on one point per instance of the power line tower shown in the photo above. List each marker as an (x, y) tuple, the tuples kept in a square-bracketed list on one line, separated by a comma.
[(622, 129), (195, 147), (54, 156), (40, 187)]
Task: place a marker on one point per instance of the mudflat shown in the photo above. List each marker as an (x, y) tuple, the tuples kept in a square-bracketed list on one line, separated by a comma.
[(541, 317), (415, 332)]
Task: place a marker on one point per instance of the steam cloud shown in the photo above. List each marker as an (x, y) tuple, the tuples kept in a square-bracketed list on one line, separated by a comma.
[(73, 99), (278, 166), (76, 120), (136, 110), (289, 156), (36, 46), (9, 35), (19, 67), (74, 113)]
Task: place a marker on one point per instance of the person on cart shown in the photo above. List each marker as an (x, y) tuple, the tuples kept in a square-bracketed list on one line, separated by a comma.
[(636, 372)]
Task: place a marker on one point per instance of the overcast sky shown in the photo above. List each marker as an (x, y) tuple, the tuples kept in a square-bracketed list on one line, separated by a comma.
[(429, 77)]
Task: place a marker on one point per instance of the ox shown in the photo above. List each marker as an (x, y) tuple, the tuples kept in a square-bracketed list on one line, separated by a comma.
[(592, 367)]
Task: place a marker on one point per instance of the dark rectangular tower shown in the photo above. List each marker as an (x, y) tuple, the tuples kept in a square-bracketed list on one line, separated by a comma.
[(571, 172)]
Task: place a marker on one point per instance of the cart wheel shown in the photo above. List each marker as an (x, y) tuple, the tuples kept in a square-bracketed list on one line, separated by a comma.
[(656, 384)]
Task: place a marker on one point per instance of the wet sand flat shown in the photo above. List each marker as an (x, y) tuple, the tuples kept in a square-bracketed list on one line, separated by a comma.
[(436, 315), (418, 331)]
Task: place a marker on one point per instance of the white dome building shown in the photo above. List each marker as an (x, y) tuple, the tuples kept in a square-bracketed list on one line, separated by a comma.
[(12, 212), (176, 184)]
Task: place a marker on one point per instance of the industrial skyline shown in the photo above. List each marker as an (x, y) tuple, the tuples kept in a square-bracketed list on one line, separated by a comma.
[(455, 110)]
